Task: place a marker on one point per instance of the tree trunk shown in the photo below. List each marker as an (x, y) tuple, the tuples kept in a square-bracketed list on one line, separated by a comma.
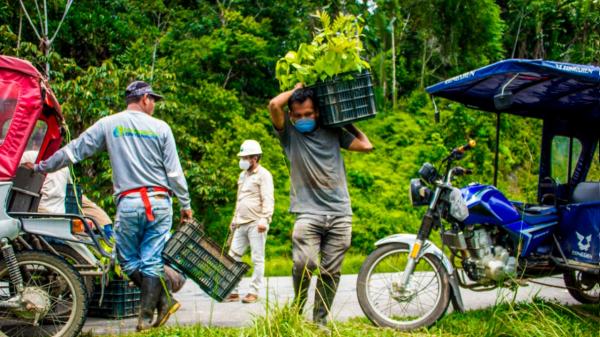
[(394, 89), (423, 61)]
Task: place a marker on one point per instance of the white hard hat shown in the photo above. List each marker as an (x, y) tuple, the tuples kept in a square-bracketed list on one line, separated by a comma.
[(249, 147)]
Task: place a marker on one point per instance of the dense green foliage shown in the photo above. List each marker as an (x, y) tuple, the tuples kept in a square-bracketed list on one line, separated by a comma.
[(215, 63), (537, 319)]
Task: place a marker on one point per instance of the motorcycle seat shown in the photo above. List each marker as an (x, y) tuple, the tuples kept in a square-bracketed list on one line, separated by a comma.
[(586, 192), (539, 214)]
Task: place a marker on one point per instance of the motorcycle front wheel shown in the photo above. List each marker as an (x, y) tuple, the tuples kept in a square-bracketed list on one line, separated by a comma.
[(584, 287), (53, 287), (386, 304)]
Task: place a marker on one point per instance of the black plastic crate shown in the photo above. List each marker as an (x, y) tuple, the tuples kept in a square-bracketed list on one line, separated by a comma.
[(192, 252), (121, 300), (72, 200), (345, 99), (25, 193)]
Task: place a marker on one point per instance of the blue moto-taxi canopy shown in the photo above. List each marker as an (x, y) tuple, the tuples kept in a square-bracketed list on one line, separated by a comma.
[(535, 88)]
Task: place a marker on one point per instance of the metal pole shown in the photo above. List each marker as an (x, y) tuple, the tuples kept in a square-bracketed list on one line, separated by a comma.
[(394, 90), (497, 149), (20, 31), (569, 167), (46, 47)]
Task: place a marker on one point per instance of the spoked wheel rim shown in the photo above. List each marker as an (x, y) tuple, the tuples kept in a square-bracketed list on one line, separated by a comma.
[(398, 307), (40, 278)]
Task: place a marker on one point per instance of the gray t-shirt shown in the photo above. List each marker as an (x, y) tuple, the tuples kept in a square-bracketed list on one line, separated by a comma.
[(318, 176), (141, 149)]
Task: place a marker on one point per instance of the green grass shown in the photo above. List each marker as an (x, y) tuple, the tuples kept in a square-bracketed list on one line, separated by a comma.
[(282, 266), (538, 318)]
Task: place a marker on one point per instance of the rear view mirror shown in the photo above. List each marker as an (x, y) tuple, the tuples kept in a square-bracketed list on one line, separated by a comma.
[(503, 100)]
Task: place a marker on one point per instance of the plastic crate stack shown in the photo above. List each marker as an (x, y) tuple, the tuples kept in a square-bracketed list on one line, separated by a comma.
[(121, 300)]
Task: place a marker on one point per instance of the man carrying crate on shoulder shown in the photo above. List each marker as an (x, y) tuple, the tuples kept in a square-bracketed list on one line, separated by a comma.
[(146, 171), (318, 194), (253, 212)]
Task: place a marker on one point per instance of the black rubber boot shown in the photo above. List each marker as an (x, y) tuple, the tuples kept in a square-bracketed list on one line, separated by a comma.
[(167, 305), (151, 290), (324, 294)]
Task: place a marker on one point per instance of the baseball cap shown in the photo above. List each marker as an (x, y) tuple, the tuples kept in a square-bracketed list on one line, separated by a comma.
[(140, 88)]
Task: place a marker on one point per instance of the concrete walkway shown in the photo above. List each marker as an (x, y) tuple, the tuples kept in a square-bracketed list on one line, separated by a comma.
[(198, 308)]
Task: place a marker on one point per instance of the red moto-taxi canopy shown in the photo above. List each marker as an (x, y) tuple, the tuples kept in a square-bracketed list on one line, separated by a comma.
[(25, 100)]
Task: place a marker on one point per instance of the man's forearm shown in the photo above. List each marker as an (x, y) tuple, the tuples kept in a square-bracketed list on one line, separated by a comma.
[(356, 132), (178, 185), (180, 189), (267, 195), (276, 107), (280, 100), (57, 161), (267, 209), (361, 142)]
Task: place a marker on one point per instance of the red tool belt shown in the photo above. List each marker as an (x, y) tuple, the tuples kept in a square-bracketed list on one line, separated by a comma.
[(143, 191)]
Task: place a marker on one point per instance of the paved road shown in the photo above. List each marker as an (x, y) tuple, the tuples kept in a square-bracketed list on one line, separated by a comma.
[(197, 307)]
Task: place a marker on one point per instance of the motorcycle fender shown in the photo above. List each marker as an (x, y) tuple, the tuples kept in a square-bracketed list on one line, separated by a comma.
[(57, 228), (430, 248)]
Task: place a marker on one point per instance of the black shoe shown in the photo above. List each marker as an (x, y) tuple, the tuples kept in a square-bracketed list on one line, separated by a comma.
[(151, 290), (167, 305)]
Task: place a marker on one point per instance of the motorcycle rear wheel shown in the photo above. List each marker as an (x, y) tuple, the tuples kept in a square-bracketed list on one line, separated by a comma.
[(424, 302), (583, 287), (52, 280), (73, 257)]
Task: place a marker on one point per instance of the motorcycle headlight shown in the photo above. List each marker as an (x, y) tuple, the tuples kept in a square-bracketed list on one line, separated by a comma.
[(419, 194), (428, 173)]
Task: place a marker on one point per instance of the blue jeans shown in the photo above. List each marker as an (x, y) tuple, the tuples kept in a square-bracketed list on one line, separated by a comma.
[(140, 242)]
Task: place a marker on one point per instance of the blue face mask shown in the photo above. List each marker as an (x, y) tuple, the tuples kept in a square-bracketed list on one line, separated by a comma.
[(305, 125)]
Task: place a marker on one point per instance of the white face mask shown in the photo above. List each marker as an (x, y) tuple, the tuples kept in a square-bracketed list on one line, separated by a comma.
[(244, 164)]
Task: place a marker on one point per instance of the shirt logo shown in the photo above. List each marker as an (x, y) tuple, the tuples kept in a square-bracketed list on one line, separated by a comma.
[(121, 131)]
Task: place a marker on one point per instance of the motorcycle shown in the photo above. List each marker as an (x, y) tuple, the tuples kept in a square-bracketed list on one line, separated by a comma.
[(407, 282), (41, 294)]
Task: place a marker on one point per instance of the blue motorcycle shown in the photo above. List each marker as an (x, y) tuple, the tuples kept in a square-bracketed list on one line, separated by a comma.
[(407, 282)]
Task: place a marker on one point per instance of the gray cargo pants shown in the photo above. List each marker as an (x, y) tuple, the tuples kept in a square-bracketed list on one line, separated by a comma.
[(329, 237)]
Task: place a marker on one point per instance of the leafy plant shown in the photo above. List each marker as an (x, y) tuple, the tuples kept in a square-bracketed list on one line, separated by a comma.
[(335, 49)]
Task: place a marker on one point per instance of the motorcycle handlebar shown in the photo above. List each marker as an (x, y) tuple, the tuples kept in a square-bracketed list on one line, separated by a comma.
[(461, 171), (461, 149), (458, 152)]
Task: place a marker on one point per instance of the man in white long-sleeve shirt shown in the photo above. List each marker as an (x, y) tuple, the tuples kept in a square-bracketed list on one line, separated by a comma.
[(146, 171), (253, 213)]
